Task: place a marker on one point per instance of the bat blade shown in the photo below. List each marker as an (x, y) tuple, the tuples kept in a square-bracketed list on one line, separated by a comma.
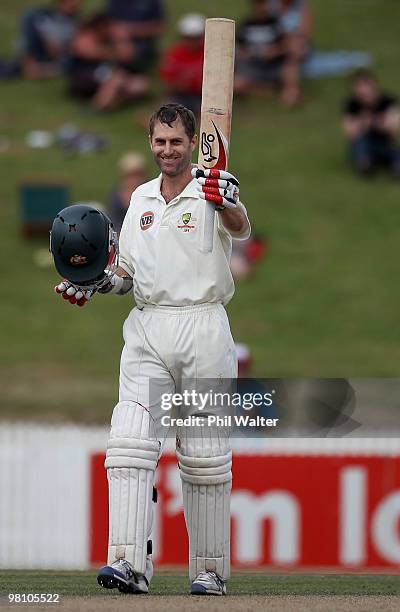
[(216, 107)]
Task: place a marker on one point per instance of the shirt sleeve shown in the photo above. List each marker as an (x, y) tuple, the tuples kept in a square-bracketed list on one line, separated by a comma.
[(126, 235), (244, 234)]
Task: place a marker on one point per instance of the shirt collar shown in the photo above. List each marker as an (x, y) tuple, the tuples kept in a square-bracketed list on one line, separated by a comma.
[(190, 190)]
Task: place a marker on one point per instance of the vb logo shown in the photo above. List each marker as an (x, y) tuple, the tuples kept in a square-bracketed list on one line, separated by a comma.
[(146, 220)]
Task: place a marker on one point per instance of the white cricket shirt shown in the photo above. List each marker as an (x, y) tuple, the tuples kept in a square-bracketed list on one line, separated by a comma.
[(160, 247)]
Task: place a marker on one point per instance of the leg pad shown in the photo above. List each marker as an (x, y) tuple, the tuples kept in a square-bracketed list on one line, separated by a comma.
[(132, 454), (206, 484)]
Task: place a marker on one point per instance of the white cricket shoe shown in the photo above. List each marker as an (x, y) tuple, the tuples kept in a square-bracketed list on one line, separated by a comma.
[(120, 575), (208, 583)]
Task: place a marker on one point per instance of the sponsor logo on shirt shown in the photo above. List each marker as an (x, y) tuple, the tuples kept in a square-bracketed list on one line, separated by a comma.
[(146, 220), (186, 222)]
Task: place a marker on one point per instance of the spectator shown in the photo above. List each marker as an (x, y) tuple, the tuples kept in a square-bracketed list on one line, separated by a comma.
[(101, 65), (45, 37), (272, 45), (132, 173), (182, 64), (143, 22), (371, 122), (244, 360), (245, 255)]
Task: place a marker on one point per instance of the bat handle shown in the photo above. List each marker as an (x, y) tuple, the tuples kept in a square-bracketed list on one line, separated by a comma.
[(209, 221)]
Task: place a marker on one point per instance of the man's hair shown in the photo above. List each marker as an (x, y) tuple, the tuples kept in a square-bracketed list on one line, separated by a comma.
[(168, 113), (363, 74)]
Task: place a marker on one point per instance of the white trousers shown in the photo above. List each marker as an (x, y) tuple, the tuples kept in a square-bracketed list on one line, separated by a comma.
[(164, 347), (168, 345)]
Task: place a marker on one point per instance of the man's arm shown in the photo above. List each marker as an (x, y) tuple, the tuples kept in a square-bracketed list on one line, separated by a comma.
[(353, 126), (120, 283), (235, 221), (88, 47), (390, 120)]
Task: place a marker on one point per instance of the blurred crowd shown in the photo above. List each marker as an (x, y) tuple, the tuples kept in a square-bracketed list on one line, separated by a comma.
[(112, 57)]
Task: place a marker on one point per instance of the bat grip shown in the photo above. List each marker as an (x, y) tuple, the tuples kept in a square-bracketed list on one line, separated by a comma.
[(209, 221)]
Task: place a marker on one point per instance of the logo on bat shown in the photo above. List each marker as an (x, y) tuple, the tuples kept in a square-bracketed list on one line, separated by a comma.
[(207, 142), (146, 220), (78, 260)]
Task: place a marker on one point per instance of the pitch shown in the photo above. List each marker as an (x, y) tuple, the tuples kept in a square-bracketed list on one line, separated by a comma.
[(291, 593)]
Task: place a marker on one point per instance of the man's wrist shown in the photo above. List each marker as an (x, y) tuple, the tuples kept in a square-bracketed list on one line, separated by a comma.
[(118, 285)]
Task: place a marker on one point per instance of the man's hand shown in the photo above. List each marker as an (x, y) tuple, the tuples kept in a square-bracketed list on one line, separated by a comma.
[(75, 294), (119, 283), (217, 186)]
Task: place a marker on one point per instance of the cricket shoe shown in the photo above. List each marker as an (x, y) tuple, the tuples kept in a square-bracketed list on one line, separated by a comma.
[(121, 576), (208, 583)]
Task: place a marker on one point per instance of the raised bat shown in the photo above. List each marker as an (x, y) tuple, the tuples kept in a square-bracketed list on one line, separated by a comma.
[(216, 107)]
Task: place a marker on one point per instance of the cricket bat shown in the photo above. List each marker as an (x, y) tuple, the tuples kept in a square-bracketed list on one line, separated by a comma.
[(216, 107)]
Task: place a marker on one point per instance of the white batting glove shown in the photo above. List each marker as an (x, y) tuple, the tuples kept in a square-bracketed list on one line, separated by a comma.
[(74, 294), (217, 186)]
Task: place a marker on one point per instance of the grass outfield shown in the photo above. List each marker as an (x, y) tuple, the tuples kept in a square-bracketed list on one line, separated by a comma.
[(324, 302), (84, 584)]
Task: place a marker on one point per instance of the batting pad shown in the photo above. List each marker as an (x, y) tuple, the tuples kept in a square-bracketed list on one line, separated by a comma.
[(205, 461), (132, 453)]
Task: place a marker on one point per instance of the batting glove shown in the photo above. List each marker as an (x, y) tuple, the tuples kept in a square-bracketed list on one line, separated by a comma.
[(74, 294), (217, 186)]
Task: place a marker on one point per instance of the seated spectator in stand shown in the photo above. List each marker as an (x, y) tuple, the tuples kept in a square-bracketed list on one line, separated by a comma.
[(182, 65), (101, 66), (245, 255), (272, 45), (45, 37), (132, 173), (244, 360), (143, 22), (371, 123)]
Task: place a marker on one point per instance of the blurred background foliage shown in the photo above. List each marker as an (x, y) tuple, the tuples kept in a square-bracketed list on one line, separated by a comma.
[(324, 302)]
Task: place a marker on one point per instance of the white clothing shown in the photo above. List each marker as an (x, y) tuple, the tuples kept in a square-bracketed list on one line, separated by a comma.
[(177, 338), (166, 347), (160, 247)]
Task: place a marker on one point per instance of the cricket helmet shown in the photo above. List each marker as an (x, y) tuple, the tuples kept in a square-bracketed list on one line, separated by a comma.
[(83, 244)]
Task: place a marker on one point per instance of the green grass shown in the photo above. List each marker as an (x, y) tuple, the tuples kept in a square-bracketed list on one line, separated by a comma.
[(84, 584), (323, 303)]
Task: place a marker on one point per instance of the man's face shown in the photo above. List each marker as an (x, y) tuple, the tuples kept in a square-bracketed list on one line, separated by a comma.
[(172, 150), (366, 90)]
